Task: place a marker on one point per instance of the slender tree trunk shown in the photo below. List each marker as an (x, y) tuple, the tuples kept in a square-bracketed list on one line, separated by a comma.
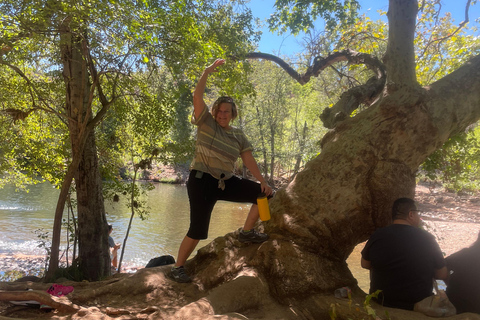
[(262, 139), (57, 222), (301, 150), (93, 250), (272, 152), (132, 205)]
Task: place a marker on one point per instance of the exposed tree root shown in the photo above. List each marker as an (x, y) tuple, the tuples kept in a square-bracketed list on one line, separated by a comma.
[(62, 304)]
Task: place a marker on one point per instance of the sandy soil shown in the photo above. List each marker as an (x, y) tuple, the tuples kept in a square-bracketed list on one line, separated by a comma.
[(453, 219)]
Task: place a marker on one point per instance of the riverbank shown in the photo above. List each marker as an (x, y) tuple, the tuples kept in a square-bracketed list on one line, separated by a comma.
[(453, 219), (177, 174), (14, 266)]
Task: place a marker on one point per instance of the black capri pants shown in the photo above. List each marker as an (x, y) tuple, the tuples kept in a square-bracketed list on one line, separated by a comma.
[(204, 192)]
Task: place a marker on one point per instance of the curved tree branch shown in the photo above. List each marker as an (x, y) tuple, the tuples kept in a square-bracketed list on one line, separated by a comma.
[(284, 65), (351, 99), (320, 63)]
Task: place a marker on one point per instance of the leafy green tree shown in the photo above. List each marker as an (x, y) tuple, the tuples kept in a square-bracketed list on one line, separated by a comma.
[(280, 120), (300, 15), (457, 163), (265, 121), (76, 60)]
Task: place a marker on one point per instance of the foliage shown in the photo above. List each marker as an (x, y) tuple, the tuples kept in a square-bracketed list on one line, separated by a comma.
[(281, 119), (33, 151), (366, 304), (457, 163), (367, 313), (299, 15), (441, 47)]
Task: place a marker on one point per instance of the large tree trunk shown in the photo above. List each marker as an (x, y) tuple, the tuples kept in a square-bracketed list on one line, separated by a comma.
[(94, 258), (93, 253)]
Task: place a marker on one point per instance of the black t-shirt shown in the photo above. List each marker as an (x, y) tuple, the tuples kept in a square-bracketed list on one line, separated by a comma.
[(402, 259)]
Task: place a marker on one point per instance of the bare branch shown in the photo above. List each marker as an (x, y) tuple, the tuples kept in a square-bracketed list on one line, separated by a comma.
[(460, 26), (349, 100), (284, 65)]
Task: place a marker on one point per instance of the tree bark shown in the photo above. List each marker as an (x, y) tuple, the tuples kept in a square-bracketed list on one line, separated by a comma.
[(94, 258), (400, 56), (93, 251)]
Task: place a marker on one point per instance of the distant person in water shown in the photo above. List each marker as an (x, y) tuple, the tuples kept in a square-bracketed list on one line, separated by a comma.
[(403, 259), (463, 284), (211, 178), (113, 248)]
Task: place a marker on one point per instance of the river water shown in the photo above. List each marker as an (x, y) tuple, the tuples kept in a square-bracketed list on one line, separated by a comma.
[(23, 213)]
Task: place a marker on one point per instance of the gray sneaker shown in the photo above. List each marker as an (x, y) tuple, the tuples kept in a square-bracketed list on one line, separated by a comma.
[(252, 237), (178, 274)]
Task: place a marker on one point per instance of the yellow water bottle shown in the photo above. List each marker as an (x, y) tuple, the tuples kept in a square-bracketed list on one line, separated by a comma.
[(263, 208)]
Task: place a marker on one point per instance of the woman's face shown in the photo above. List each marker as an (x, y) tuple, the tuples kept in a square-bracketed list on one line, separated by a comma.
[(224, 114)]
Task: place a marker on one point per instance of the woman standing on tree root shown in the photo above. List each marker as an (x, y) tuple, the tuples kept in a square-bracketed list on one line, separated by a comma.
[(211, 177)]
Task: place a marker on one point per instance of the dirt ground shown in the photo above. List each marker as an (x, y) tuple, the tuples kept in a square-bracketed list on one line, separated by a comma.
[(453, 219)]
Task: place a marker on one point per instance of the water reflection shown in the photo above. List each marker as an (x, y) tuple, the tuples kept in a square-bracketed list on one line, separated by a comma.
[(22, 213)]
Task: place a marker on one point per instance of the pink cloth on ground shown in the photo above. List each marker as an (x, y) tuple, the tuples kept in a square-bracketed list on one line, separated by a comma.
[(59, 290)]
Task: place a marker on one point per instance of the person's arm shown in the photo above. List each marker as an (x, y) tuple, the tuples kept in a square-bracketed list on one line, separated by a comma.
[(441, 274), (198, 102), (251, 164), (365, 264)]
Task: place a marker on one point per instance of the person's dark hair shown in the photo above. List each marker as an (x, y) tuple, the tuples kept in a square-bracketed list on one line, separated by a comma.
[(110, 227), (221, 100), (401, 208)]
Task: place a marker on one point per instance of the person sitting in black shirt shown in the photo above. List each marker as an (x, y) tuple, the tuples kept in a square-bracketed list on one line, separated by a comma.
[(403, 259)]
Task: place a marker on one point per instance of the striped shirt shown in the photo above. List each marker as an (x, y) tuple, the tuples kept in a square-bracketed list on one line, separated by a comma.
[(217, 149)]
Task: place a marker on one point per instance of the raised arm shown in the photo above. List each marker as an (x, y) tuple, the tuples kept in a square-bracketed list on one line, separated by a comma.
[(198, 102), (251, 164)]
